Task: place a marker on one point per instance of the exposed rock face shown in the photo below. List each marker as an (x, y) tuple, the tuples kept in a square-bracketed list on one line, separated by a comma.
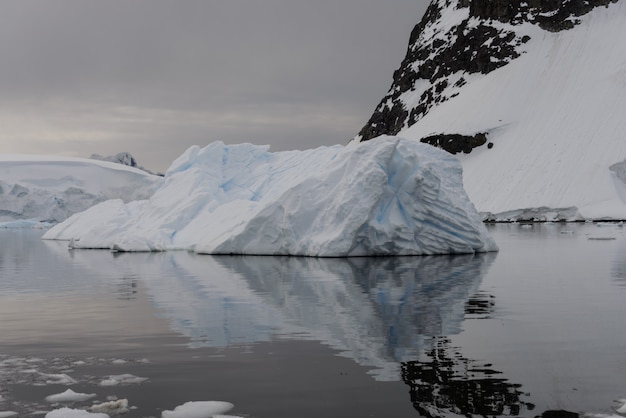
[(552, 15), (456, 143), (124, 158), (458, 38)]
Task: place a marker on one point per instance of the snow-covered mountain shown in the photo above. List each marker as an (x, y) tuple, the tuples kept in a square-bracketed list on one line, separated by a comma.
[(529, 95), (36, 188), (125, 158)]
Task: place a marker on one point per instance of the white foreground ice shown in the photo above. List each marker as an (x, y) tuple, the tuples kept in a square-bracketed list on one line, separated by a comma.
[(388, 196), (198, 409), (74, 413), (25, 371), (69, 396)]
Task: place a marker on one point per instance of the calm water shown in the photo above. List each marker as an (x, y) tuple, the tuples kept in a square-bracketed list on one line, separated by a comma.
[(538, 326)]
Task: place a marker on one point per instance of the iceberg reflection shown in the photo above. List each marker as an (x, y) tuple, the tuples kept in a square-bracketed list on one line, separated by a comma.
[(376, 311), (619, 264)]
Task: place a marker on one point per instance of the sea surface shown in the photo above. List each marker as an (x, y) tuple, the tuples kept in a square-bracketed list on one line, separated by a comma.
[(538, 327)]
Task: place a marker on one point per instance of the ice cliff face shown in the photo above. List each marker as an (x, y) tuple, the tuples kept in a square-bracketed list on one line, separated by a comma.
[(389, 196), (529, 95), (49, 189)]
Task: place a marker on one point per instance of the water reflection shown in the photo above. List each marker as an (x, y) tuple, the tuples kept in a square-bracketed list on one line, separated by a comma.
[(480, 306), (619, 264), (377, 311), (446, 382)]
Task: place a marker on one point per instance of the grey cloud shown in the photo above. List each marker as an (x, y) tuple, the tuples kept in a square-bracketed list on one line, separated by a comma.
[(213, 58)]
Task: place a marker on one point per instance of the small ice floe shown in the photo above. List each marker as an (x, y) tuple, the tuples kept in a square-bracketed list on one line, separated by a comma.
[(600, 238), (72, 244), (70, 396), (122, 379), (116, 407), (7, 414), (199, 409), (622, 409), (119, 361), (74, 413), (37, 378), (58, 379), (613, 224)]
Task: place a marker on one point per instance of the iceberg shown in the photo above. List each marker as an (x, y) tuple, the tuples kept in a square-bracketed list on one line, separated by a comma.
[(389, 196), (38, 190)]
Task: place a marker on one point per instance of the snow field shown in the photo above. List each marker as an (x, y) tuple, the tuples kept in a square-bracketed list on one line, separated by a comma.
[(555, 118)]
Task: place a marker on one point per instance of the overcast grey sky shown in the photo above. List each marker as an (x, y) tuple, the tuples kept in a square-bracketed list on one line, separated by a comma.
[(153, 77)]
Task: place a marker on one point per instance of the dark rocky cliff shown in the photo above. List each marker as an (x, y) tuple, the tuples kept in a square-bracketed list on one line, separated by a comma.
[(457, 38)]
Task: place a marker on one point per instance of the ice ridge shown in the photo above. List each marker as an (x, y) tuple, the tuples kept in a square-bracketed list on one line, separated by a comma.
[(389, 196)]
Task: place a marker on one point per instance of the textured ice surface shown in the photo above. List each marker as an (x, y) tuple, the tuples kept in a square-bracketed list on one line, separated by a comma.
[(388, 196), (44, 189)]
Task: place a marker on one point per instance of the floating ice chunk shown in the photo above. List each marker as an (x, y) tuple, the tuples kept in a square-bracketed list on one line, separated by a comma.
[(387, 196), (58, 379), (116, 407), (73, 413), (198, 409), (119, 361), (622, 409), (604, 416), (70, 396), (25, 224), (7, 414), (122, 379)]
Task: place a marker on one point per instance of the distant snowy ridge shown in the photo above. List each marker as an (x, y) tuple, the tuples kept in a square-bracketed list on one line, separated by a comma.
[(390, 196), (125, 158), (47, 189), (531, 96)]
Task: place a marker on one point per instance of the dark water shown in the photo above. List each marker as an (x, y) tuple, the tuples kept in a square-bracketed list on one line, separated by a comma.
[(539, 326)]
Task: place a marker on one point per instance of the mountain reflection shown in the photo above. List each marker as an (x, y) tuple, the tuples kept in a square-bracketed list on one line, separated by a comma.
[(446, 383)]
